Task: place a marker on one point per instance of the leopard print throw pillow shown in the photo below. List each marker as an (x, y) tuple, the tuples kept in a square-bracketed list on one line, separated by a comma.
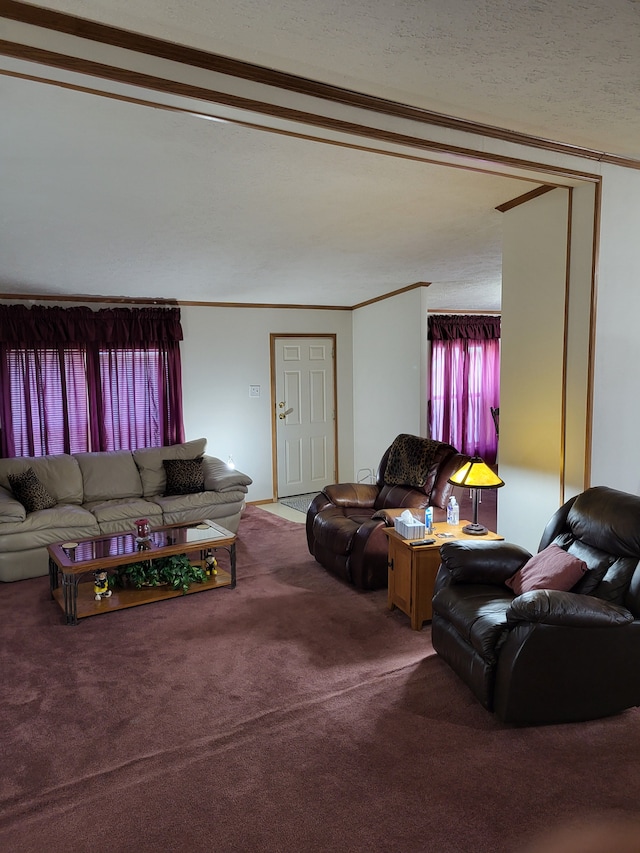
[(184, 476), (28, 489)]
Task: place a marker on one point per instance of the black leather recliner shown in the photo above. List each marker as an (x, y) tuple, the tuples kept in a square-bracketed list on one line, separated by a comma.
[(345, 521), (547, 656)]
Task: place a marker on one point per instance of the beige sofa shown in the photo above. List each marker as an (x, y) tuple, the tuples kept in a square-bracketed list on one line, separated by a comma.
[(105, 493)]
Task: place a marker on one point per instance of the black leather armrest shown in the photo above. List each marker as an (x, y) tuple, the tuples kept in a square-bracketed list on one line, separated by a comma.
[(482, 562), (352, 494), (569, 609), (389, 515)]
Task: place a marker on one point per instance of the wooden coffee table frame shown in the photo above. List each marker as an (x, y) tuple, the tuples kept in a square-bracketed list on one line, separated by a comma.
[(68, 566)]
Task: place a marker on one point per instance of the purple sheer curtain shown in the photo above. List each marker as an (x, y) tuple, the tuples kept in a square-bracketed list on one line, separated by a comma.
[(73, 379), (465, 382)]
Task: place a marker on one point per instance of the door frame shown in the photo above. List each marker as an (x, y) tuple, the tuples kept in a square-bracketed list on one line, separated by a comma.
[(273, 337)]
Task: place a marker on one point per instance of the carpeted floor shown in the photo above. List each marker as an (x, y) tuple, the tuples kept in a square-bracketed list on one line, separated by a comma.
[(299, 502), (291, 714)]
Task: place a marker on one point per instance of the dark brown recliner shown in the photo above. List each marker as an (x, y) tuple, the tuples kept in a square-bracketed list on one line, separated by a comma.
[(547, 656), (345, 521)]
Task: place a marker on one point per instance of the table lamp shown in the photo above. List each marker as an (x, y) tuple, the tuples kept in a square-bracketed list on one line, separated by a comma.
[(476, 475)]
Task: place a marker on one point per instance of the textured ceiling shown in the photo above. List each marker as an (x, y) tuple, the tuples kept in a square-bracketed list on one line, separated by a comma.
[(133, 201), (566, 70), (107, 198)]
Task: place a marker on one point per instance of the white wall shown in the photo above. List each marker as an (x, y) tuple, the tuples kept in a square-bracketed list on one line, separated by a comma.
[(531, 377), (227, 349), (616, 404), (389, 373), (577, 463)]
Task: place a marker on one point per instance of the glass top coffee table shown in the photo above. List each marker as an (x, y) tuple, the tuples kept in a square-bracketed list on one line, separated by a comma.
[(70, 561)]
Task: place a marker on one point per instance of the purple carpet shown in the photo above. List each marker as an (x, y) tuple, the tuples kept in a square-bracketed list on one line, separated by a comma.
[(290, 714)]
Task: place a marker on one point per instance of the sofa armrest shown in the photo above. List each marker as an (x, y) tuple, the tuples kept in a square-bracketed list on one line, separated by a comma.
[(489, 562), (218, 477), (352, 494), (568, 609), (10, 508)]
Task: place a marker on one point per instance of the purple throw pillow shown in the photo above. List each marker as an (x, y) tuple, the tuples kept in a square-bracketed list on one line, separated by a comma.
[(551, 568)]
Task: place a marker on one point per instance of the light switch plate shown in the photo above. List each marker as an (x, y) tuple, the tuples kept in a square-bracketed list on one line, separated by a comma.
[(254, 390)]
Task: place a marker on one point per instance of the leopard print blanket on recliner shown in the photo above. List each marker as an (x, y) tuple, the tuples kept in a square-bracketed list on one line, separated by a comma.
[(410, 460)]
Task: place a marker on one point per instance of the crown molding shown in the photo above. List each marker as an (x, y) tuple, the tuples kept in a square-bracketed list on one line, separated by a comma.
[(139, 43), (523, 199)]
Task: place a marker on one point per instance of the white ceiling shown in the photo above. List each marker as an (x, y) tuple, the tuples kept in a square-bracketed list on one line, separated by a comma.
[(107, 198)]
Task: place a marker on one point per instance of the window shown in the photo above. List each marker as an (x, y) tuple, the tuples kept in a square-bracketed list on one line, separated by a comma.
[(96, 393), (132, 384), (47, 392), (465, 382)]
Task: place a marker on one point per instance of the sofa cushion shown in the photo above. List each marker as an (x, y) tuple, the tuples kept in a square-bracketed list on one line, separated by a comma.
[(30, 492), (60, 475), (61, 522), (120, 515), (183, 476), (109, 475), (197, 506), (149, 461), (129, 509), (551, 568)]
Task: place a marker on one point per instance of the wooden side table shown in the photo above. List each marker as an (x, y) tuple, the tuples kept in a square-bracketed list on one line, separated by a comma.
[(413, 569)]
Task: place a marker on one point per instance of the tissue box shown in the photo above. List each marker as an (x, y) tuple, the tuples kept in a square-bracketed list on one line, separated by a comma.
[(409, 530)]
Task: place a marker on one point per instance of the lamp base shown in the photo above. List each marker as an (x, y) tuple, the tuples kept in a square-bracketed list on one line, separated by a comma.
[(475, 529)]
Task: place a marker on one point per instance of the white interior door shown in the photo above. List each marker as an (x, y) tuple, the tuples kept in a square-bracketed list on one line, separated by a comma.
[(304, 414)]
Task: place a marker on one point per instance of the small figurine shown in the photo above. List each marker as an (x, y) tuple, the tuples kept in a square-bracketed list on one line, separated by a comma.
[(212, 565), (101, 585)]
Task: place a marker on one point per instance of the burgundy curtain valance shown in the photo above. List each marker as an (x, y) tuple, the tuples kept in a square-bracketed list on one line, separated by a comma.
[(39, 324), (453, 327)]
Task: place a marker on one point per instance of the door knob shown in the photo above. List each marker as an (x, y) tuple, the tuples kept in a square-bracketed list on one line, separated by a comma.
[(284, 414)]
